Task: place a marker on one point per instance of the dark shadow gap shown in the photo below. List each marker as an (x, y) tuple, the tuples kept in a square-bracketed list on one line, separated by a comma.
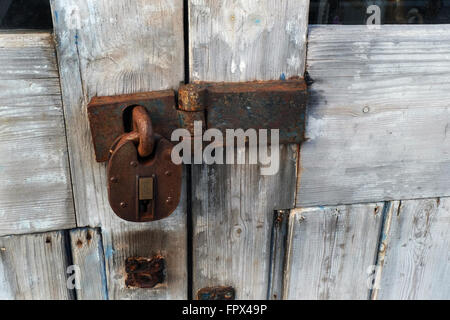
[(69, 258), (25, 14), (358, 12), (188, 168)]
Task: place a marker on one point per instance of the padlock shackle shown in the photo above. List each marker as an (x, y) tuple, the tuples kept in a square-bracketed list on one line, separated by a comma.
[(142, 124)]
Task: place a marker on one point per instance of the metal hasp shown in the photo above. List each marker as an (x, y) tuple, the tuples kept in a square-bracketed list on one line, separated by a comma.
[(250, 105), (133, 132), (107, 117)]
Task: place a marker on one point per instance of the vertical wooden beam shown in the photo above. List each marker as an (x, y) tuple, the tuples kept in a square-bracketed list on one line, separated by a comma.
[(240, 40), (88, 257), (109, 48), (233, 214), (233, 205)]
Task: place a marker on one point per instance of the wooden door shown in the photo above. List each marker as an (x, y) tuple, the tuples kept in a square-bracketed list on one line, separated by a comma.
[(101, 48), (358, 211)]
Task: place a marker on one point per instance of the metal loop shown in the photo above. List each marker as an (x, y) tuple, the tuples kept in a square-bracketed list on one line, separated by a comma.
[(142, 124)]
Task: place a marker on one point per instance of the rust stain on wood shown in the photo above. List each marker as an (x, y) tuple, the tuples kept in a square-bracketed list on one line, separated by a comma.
[(144, 272)]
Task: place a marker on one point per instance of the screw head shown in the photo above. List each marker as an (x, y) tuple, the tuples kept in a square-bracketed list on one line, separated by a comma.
[(169, 200), (133, 164), (168, 173), (123, 204), (114, 179)]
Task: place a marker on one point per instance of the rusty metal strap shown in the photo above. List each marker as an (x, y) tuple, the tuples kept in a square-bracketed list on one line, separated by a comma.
[(249, 105)]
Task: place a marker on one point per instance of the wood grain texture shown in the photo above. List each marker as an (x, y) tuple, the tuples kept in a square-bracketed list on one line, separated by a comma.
[(27, 56), (239, 40), (35, 186), (417, 252), (233, 214), (26, 39), (34, 267), (88, 255), (378, 114), (108, 48), (330, 250), (233, 206)]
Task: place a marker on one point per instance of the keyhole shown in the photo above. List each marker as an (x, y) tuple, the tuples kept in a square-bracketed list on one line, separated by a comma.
[(143, 205), (146, 192)]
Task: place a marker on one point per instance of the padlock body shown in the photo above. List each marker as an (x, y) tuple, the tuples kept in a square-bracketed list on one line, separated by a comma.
[(143, 190)]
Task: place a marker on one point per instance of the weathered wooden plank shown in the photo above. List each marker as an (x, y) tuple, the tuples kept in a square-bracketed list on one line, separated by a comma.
[(233, 205), (416, 252), (378, 115), (233, 211), (27, 56), (35, 188), (331, 251), (108, 48), (247, 40), (28, 63), (25, 39), (34, 267), (89, 258)]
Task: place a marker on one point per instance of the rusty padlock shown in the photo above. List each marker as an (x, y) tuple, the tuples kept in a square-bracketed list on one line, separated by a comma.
[(143, 182)]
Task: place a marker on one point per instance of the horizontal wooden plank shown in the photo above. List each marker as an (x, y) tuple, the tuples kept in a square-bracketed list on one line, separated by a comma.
[(416, 252), (35, 186), (120, 47), (28, 63), (25, 39), (330, 250), (378, 118), (27, 55), (34, 267)]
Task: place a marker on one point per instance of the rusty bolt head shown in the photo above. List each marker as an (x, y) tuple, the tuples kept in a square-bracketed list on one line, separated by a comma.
[(133, 164), (123, 204), (168, 173), (114, 179), (169, 200)]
